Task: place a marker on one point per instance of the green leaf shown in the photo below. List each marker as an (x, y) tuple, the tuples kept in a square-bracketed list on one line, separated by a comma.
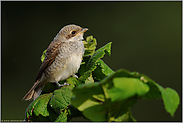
[(126, 117), (38, 107), (91, 90), (43, 56), (91, 63), (82, 68), (88, 98), (61, 97), (81, 72), (127, 87), (154, 92), (83, 78), (62, 117), (90, 45), (104, 68), (170, 98), (120, 109), (96, 113), (60, 100), (89, 79), (97, 55), (96, 102), (101, 71)]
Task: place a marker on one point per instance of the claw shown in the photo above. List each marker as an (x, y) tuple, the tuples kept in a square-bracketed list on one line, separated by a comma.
[(61, 85), (75, 76), (65, 83)]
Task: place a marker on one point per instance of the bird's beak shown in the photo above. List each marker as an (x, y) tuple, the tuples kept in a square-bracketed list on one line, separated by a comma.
[(84, 30)]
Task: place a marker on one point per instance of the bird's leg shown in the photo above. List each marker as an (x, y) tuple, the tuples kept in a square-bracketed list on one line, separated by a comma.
[(65, 83), (61, 85), (75, 76)]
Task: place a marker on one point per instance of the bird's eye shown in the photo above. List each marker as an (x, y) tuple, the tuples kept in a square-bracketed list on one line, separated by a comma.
[(73, 32)]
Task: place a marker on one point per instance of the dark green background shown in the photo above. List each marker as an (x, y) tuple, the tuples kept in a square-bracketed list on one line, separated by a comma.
[(146, 38)]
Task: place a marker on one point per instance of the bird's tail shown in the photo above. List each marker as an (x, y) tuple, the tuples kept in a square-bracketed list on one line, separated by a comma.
[(34, 92)]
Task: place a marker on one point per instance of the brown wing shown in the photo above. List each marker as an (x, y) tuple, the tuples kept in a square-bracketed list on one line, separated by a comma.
[(51, 53)]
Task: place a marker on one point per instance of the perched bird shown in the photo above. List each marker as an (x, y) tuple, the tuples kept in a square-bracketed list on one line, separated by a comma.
[(63, 59)]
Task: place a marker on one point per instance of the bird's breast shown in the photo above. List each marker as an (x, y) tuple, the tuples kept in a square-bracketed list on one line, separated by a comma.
[(71, 67)]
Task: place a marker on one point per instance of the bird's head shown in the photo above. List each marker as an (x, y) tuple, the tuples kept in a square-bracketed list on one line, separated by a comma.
[(72, 32)]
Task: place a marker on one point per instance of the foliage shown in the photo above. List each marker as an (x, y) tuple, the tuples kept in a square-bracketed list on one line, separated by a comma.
[(99, 94)]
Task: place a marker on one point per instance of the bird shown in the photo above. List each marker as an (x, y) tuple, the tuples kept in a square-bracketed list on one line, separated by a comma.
[(63, 59)]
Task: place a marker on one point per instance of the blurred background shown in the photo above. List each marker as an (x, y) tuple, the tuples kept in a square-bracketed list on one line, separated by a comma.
[(146, 38)]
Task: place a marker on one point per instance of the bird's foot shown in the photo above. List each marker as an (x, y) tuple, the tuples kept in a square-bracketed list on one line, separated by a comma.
[(65, 83), (61, 85), (75, 76)]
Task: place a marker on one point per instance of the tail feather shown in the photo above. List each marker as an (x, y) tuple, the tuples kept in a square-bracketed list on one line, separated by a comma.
[(34, 92)]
